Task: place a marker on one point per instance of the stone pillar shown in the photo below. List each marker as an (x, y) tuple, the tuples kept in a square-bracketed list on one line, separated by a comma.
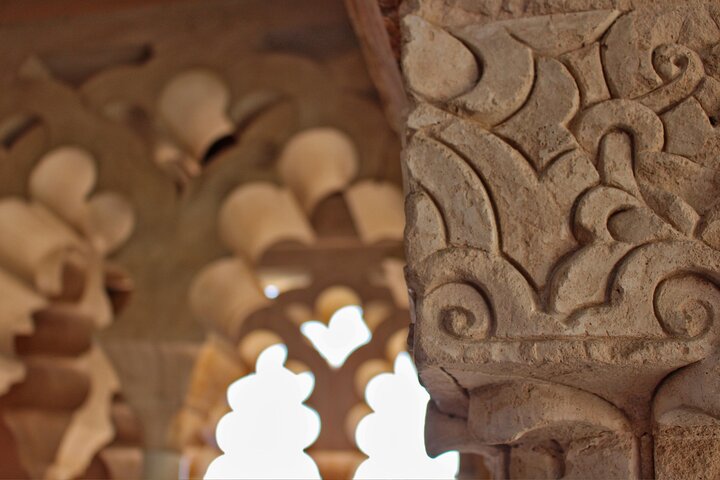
[(563, 227)]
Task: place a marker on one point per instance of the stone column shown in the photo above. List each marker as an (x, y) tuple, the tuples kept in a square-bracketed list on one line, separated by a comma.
[(563, 227)]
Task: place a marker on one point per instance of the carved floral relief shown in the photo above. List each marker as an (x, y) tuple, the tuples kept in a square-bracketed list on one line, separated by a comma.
[(563, 178)]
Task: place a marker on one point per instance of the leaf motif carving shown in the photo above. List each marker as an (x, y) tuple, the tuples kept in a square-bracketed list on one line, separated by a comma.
[(535, 233), (457, 190)]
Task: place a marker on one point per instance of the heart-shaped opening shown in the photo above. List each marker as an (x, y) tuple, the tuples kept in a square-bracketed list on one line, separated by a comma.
[(345, 332)]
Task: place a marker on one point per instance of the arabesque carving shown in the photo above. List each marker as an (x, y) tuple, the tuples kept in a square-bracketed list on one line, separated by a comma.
[(563, 176)]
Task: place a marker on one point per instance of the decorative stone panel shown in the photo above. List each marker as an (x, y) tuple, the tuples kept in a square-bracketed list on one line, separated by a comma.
[(562, 178)]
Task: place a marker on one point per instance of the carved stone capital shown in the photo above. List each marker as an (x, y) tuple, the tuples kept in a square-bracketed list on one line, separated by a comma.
[(562, 182)]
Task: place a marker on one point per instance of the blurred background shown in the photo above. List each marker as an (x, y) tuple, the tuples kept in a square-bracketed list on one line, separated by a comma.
[(201, 262)]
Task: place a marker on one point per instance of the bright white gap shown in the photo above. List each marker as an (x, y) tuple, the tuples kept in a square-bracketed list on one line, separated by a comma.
[(345, 332), (264, 435), (393, 436), (271, 291)]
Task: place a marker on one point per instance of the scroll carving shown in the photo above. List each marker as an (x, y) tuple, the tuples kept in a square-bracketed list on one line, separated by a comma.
[(564, 194)]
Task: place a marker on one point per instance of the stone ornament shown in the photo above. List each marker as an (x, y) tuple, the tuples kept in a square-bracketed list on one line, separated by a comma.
[(563, 261), (316, 272), (61, 394)]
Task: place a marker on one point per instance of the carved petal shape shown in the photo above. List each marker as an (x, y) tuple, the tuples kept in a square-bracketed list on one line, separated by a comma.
[(91, 427), (671, 207), (694, 183), (680, 390), (687, 128), (62, 180), (437, 65), (425, 228), (505, 413), (507, 74), (458, 191), (193, 104), (607, 214), (377, 210), (539, 127), (553, 35), (639, 225), (257, 215), (34, 244), (16, 308), (316, 163), (224, 293)]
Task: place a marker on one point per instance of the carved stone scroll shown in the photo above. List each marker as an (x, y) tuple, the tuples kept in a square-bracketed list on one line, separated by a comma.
[(563, 266)]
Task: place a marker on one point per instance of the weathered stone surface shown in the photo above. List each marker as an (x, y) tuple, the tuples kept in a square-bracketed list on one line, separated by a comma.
[(566, 283), (457, 72)]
